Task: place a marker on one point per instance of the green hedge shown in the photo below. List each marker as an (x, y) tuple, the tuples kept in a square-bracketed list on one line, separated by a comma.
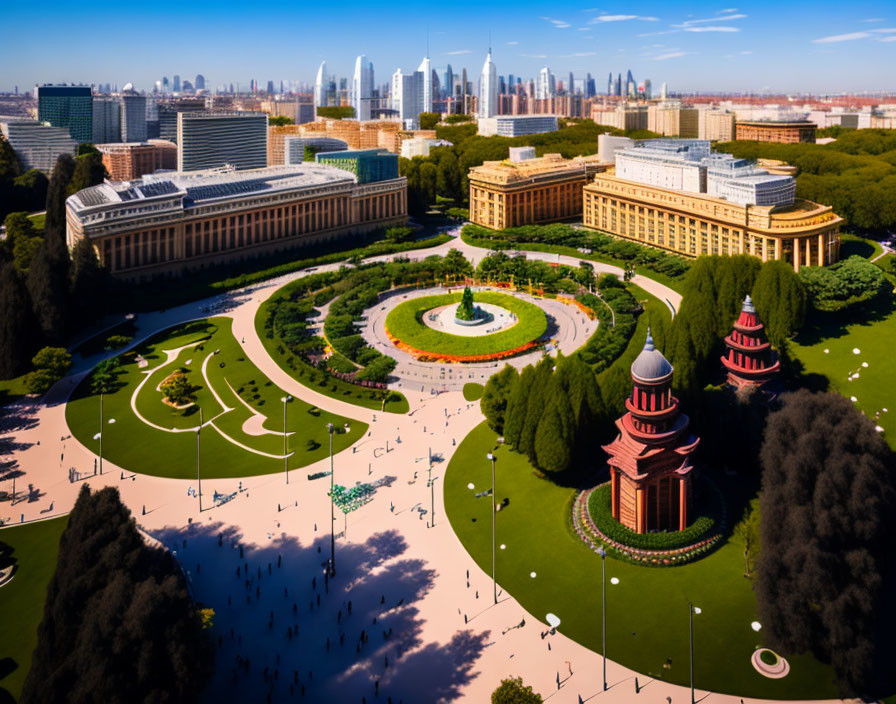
[(606, 345), (405, 323), (706, 525)]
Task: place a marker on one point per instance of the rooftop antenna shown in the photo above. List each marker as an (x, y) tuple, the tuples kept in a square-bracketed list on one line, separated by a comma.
[(427, 41), (489, 41)]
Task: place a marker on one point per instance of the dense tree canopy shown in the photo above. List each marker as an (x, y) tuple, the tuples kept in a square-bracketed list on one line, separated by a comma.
[(844, 284), (827, 530), (119, 624), (513, 691), (17, 333)]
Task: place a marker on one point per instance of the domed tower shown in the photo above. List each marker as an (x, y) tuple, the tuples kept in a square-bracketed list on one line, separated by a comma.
[(749, 360), (650, 467)]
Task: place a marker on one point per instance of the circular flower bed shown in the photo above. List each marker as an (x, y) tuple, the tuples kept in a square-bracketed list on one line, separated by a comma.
[(595, 525), (407, 331), (769, 664)]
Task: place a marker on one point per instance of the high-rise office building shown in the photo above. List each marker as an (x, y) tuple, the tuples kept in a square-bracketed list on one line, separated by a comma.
[(106, 120), (133, 117), (448, 88), (571, 86), (166, 86), (321, 84), (618, 86), (176, 87), (200, 82), (168, 116), (546, 86), (270, 90), (488, 88), (67, 106), (425, 68), (362, 88), (209, 140), (610, 84)]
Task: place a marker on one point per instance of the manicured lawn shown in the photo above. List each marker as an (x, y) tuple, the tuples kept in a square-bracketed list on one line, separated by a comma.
[(302, 372), (647, 612), (405, 323), (473, 392), (231, 391), (12, 389), (852, 245), (35, 546), (874, 389)]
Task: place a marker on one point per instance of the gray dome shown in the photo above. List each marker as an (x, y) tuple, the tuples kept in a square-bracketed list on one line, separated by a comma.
[(651, 364), (748, 305)]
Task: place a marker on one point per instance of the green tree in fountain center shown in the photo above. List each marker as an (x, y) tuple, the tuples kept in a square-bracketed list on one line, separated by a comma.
[(465, 310)]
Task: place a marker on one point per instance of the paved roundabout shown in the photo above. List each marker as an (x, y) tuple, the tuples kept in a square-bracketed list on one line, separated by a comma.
[(436, 637)]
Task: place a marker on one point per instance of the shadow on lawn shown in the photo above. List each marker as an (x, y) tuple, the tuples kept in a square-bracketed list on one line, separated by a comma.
[(822, 325), (270, 615)]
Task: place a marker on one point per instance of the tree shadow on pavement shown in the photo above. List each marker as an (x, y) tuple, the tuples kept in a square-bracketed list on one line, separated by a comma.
[(281, 614)]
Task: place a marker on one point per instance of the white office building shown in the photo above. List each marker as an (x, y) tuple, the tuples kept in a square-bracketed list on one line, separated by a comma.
[(688, 165), (545, 85), (488, 88), (420, 146), (608, 145), (210, 140), (362, 88), (37, 144), (320, 86), (517, 125), (133, 117), (425, 68)]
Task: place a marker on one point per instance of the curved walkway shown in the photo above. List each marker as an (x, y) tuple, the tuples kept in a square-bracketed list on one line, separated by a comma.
[(454, 646)]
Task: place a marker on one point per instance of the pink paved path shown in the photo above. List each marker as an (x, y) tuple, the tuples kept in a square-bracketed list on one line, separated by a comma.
[(392, 566)]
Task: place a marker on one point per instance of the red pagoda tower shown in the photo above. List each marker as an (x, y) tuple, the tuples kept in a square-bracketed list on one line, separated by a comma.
[(650, 468), (750, 360)]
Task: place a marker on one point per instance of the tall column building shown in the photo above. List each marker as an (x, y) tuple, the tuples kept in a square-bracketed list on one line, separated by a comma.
[(362, 88), (488, 88)]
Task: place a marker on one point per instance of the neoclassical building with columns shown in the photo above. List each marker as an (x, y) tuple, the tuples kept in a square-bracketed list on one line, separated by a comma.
[(169, 222)]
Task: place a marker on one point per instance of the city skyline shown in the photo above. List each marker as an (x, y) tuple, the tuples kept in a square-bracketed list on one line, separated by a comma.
[(698, 46)]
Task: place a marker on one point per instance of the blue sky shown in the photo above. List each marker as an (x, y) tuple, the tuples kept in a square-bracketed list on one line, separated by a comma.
[(764, 45)]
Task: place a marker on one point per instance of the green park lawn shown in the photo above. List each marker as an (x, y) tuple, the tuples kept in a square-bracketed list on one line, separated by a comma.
[(647, 612), (405, 323), (34, 546), (874, 337), (330, 386), (12, 389), (162, 440)]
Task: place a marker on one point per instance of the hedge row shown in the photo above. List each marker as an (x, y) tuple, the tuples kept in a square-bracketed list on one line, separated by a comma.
[(405, 322), (609, 341)]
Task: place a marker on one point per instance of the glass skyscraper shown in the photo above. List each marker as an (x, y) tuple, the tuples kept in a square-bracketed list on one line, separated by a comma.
[(67, 106)]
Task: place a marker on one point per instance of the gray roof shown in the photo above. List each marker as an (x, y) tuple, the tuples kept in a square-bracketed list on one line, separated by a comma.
[(748, 305), (651, 365)]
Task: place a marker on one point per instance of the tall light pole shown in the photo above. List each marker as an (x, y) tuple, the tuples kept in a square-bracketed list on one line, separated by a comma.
[(101, 432), (331, 429), (603, 591), (286, 399), (432, 484), (198, 475), (491, 458), (691, 611)]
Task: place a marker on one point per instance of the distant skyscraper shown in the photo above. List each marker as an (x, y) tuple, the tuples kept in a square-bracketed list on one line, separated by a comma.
[(631, 88), (663, 90), (618, 90), (176, 86), (362, 88), (200, 82), (610, 84), (488, 88), (211, 140), (166, 86), (511, 83), (406, 96), (425, 68), (571, 86), (321, 83), (270, 90), (133, 117), (448, 88), (106, 120), (546, 85), (67, 106)]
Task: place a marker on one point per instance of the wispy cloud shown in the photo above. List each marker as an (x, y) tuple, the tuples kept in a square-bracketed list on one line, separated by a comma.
[(512, 43), (851, 36), (885, 30), (621, 18), (559, 24), (671, 55), (657, 34), (534, 56), (458, 52), (891, 38), (711, 29), (874, 19), (725, 12), (579, 55), (706, 20), (583, 29)]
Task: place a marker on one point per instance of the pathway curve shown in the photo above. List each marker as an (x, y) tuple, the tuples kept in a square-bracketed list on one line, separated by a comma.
[(453, 645)]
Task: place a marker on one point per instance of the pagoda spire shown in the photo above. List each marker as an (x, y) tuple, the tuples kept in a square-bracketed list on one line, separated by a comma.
[(749, 359)]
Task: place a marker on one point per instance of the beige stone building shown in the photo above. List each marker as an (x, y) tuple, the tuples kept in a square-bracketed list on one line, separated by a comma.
[(673, 121), (715, 125), (691, 224), (126, 161), (784, 132), (532, 190)]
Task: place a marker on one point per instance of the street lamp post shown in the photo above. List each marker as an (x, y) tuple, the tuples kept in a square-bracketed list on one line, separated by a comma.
[(432, 495), (101, 433), (691, 611), (331, 429), (198, 474), (491, 457), (286, 399), (603, 570)]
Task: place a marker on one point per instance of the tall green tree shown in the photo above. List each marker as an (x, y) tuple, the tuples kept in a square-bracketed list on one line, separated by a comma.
[(88, 282), (498, 390), (518, 402), (119, 624), (535, 407), (780, 300), (48, 286), (16, 329), (554, 436), (89, 171), (449, 180), (513, 691), (57, 192)]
